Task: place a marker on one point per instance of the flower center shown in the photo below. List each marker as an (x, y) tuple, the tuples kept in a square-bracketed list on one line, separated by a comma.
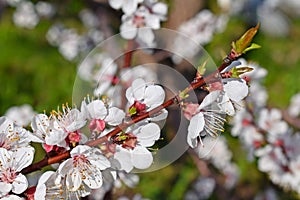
[(8, 175)]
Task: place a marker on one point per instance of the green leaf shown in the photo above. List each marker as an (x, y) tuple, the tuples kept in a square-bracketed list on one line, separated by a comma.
[(252, 46), (242, 44), (202, 69)]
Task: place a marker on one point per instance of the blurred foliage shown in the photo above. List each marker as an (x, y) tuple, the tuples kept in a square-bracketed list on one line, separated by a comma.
[(33, 72)]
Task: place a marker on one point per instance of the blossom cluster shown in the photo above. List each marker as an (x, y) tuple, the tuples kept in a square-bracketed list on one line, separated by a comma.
[(267, 135), (63, 131)]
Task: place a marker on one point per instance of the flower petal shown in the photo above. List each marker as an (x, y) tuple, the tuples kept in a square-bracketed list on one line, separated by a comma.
[(124, 158), (195, 127), (148, 134), (154, 96), (115, 116), (97, 109), (236, 90), (20, 184), (141, 158)]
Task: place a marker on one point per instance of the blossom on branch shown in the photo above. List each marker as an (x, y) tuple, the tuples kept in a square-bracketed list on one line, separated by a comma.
[(11, 163)]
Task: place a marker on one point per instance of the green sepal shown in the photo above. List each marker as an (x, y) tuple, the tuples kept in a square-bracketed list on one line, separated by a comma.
[(132, 111), (236, 72)]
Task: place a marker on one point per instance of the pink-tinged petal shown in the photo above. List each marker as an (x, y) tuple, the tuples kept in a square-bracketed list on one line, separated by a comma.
[(195, 127), (128, 31), (236, 90), (124, 157), (148, 134), (146, 35), (138, 88), (115, 116), (23, 156), (160, 8), (20, 184), (116, 4), (5, 188), (141, 158), (97, 109), (154, 96), (129, 6), (226, 105), (209, 99)]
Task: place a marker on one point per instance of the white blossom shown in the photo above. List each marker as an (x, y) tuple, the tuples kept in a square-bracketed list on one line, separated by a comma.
[(134, 153), (140, 23), (12, 136), (25, 15), (128, 6), (21, 115), (207, 120), (11, 164), (294, 107), (84, 167)]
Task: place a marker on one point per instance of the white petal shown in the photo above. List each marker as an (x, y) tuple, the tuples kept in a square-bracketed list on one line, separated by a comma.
[(5, 188), (124, 158), (236, 90), (93, 182), (148, 134), (55, 137), (115, 116), (152, 21), (226, 105), (161, 116), (128, 31), (154, 96), (129, 6), (116, 4), (138, 88), (141, 158), (65, 167), (146, 35), (20, 184), (160, 8), (74, 180), (23, 156), (211, 97), (195, 127), (5, 157), (98, 160), (97, 109), (80, 149)]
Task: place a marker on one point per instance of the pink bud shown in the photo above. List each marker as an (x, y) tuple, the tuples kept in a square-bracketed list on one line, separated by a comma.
[(97, 125), (190, 110)]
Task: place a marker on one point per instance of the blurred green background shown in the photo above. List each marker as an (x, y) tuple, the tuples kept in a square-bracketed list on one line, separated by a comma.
[(33, 72)]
